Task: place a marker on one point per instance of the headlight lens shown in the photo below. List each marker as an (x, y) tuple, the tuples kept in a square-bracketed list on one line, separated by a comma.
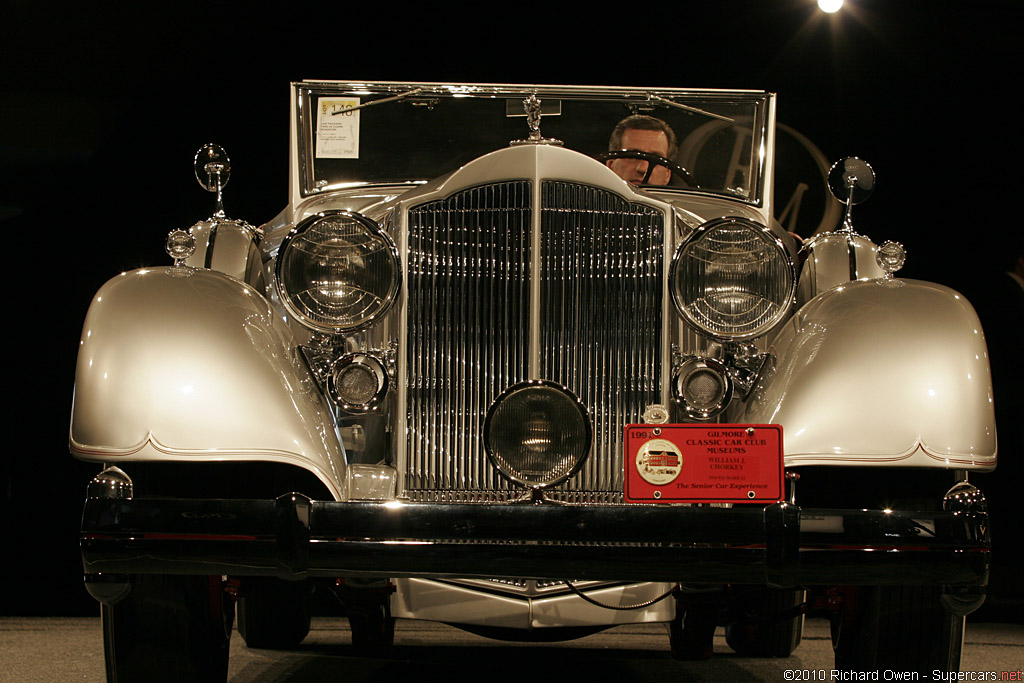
[(338, 272), (733, 279), (537, 434)]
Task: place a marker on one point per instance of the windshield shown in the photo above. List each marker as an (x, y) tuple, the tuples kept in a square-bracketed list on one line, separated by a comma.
[(355, 133)]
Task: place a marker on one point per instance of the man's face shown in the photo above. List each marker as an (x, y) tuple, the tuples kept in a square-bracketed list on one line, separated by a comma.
[(633, 170)]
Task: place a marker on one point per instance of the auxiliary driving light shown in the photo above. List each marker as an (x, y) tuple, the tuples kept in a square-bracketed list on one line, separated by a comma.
[(537, 434), (702, 387), (358, 382)]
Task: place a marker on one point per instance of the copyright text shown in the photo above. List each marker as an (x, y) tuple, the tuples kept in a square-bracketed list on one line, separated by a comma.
[(890, 675)]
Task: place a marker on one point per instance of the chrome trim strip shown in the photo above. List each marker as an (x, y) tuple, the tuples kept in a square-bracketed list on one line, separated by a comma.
[(852, 251), (536, 270), (211, 239)]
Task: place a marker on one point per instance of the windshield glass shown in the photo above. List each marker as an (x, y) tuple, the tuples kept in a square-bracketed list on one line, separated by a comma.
[(355, 133)]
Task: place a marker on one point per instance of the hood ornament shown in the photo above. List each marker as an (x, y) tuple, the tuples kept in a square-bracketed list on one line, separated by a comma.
[(533, 114)]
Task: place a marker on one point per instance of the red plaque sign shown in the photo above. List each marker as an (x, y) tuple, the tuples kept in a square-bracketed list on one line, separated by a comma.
[(703, 463)]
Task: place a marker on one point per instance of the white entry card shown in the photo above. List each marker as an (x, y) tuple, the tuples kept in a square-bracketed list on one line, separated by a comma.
[(337, 129)]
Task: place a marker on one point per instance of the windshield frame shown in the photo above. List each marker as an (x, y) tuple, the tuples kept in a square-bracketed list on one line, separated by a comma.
[(306, 94)]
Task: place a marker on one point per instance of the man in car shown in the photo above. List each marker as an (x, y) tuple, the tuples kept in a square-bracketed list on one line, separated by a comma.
[(641, 133)]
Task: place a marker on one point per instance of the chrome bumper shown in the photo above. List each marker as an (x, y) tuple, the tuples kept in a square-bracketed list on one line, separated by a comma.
[(293, 538)]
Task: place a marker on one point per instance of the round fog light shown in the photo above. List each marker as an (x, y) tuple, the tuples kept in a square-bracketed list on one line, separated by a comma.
[(358, 382), (702, 387), (537, 434)]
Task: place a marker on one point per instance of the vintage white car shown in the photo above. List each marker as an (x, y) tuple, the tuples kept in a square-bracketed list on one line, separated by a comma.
[(535, 361)]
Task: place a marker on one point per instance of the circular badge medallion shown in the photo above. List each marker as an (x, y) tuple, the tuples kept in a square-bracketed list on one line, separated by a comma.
[(659, 462)]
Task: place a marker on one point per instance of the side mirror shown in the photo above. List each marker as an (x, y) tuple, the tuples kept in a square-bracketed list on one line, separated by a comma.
[(213, 170), (852, 181)]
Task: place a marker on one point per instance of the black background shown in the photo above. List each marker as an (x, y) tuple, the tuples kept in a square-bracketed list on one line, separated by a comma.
[(103, 105)]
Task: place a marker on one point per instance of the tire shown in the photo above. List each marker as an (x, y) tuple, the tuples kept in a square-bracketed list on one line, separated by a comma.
[(691, 633), (899, 628), (169, 628), (273, 614), (373, 628), (756, 634)]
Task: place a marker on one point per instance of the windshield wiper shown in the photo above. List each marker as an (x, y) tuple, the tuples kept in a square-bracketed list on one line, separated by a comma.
[(694, 110), (395, 98)]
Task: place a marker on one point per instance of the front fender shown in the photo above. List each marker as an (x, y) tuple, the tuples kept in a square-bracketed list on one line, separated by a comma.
[(183, 364), (887, 372)]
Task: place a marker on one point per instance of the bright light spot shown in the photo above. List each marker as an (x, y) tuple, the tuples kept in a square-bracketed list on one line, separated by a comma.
[(931, 392), (406, 542), (830, 6), (394, 505), (187, 389)]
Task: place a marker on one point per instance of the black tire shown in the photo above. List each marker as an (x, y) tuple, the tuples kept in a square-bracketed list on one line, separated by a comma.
[(373, 628), (169, 628), (756, 633), (899, 628), (691, 633), (273, 614)]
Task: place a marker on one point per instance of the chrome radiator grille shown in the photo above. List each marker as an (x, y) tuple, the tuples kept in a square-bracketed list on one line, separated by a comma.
[(600, 326)]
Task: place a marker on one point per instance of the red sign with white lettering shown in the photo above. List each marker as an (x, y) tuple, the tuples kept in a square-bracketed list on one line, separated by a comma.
[(704, 463)]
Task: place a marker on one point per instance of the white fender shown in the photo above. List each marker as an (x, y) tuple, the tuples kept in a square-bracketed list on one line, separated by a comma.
[(183, 364), (881, 372)]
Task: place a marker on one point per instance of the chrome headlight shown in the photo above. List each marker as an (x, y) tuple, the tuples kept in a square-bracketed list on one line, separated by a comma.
[(733, 279), (537, 434), (338, 272)]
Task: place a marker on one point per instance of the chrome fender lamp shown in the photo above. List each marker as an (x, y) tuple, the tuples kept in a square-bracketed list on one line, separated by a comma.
[(358, 383), (702, 387)]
